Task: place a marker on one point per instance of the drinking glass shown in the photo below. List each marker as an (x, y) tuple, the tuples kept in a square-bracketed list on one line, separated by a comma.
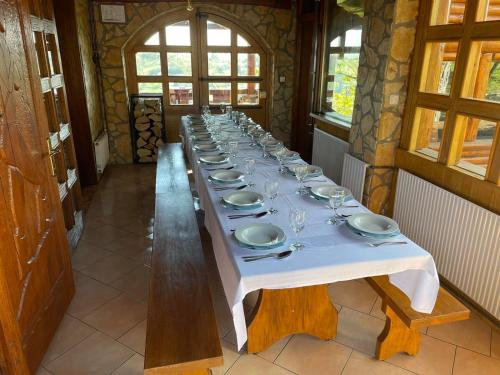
[(301, 173), (250, 170), (336, 199), (232, 149), (271, 192), (297, 219), (222, 109), (280, 156)]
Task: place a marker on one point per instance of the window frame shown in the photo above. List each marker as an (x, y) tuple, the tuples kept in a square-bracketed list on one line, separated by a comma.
[(444, 170), (332, 117)]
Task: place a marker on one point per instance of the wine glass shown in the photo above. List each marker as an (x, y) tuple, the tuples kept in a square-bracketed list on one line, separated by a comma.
[(271, 188), (301, 172), (250, 170), (297, 218), (336, 199), (280, 156), (232, 149)]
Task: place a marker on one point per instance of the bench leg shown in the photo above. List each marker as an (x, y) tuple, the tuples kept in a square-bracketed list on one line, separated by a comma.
[(396, 336), (282, 312)]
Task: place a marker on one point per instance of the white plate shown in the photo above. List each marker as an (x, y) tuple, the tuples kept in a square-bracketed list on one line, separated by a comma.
[(324, 191), (243, 198), (372, 223), (260, 235), (214, 159), (226, 176), (202, 137), (312, 170), (208, 147), (288, 155)]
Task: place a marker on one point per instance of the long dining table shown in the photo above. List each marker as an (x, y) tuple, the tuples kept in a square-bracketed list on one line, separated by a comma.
[(294, 291)]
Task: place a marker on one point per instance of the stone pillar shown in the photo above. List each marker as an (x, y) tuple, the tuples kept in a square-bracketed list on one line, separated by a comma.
[(387, 42)]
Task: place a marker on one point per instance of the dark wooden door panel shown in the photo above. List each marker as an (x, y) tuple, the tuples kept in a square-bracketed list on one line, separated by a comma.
[(34, 257)]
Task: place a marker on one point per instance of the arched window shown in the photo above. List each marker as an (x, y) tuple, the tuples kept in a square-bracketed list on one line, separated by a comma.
[(198, 58)]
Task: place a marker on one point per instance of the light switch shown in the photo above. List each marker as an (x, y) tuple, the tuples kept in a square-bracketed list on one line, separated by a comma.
[(282, 79)]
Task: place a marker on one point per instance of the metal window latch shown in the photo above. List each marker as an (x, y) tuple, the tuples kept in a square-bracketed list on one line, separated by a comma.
[(51, 155)]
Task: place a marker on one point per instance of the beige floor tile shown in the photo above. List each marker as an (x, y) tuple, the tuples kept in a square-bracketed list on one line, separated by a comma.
[(110, 268), (42, 371), (434, 358), (230, 356), (135, 284), (309, 355), (274, 350), (355, 294), (86, 254), (358, 330), (136, 337), (377, 309), (360, 363), (133, 366), (97, 354), (130, 245), (117, 316), (473, 334), (70, 332), (255, 365), (90, 294), (103, 235), (471, 363), (495, 344)]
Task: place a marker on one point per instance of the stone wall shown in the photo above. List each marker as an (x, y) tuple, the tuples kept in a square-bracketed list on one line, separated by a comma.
[(388, 41), (275, 26), (91, 81)]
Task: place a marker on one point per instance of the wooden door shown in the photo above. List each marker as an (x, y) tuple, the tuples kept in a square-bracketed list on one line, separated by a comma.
[(305, 77), (36, 282)]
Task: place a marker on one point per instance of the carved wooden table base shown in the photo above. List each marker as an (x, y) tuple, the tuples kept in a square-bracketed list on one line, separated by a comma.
[(282, 312)]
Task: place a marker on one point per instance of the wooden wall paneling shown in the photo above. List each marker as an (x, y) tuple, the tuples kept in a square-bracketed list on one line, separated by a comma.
[(65, 17)]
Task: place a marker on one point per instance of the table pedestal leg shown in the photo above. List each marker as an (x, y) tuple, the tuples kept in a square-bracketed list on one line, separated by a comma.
[(396, 336), (282, 312)]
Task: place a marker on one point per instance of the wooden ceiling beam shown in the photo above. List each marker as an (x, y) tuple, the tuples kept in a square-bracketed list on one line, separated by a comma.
[(283, 4)]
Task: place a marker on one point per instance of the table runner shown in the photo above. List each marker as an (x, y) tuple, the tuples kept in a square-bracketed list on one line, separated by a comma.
[(331, 253)]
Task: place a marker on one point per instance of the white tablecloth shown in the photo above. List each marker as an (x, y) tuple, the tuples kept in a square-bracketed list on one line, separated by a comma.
[(331, 253)]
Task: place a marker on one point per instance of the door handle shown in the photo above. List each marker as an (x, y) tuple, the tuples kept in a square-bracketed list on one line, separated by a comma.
[(51, 155)]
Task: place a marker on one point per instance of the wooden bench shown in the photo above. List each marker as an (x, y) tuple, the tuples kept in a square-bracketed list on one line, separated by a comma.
[(401, 331), (181, 336)]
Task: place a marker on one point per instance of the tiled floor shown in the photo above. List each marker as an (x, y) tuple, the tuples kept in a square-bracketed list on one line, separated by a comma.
[(104, 329)]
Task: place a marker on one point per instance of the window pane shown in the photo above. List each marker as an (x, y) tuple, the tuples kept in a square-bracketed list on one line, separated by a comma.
[(218, 35), (430, 124), (219, 93), (248, 64), (248, 93), (439, 64), (179, 63), (353, 37), (478, 141), (148, 63), (219, 64), (341, 89), (180, 93), (153, 40), (242, 42), (178, 34), (491, 12), (484, 65), (446, 12), (150, 88)]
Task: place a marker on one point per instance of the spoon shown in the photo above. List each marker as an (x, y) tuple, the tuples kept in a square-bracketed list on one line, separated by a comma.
[(230, 188), (281, 255), (260, 214), (387, 243)]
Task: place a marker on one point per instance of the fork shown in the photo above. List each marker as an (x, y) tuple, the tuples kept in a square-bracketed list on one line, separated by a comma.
[(387, 243)]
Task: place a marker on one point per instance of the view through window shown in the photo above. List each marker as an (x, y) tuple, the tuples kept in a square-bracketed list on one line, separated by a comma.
[(341, 60)]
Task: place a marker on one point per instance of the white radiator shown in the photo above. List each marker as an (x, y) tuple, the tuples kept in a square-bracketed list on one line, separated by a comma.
[(101, 147), (353, 176), (463, 238), (328, 153)]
